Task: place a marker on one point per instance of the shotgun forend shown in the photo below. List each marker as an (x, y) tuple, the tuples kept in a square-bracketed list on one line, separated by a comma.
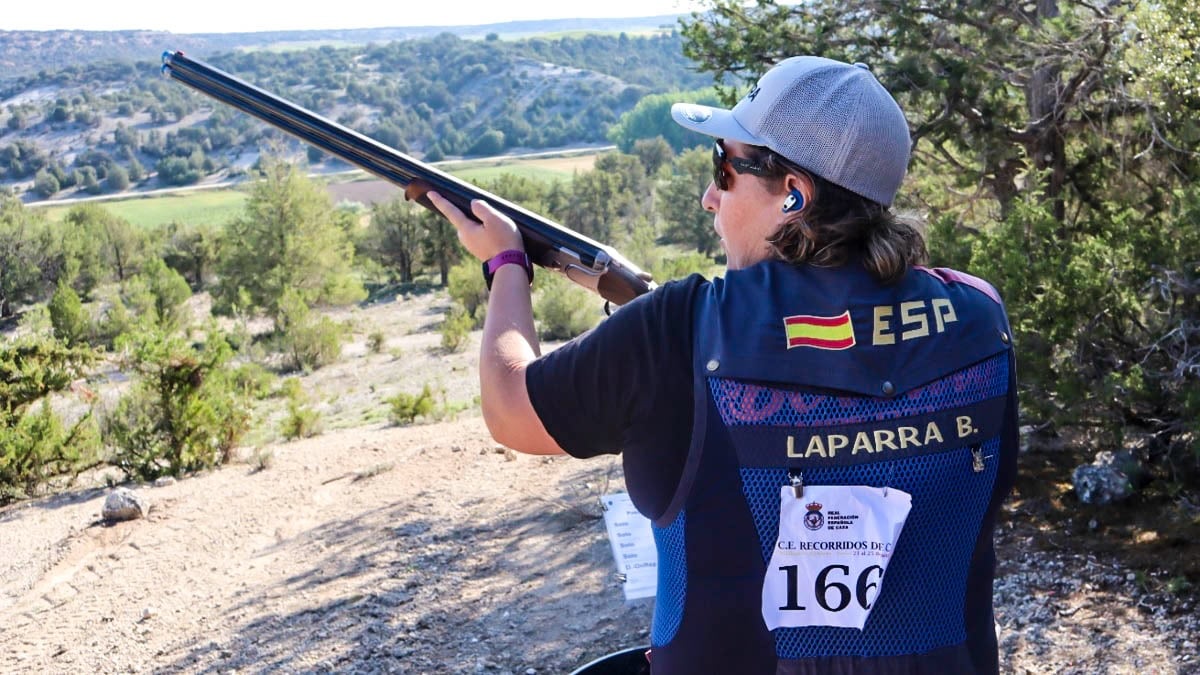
[(588, 263)]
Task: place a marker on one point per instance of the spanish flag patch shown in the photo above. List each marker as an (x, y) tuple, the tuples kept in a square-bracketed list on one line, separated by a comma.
[(821, 332)]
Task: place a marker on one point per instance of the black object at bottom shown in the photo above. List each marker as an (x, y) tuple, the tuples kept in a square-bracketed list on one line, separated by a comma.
[(630, 661)]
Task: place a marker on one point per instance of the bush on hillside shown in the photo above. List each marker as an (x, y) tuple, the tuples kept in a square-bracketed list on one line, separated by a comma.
[(37, 446), (468, 289), (307, 340), (563, 310), (406, 408), (301, 420), (183, 414), (71, 322), (456, 328)]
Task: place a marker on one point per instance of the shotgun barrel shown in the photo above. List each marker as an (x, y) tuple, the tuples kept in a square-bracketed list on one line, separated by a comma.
[(587, 262)]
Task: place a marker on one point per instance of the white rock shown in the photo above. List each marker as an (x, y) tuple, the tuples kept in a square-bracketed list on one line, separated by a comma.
[(124, 504), (1100, 484)]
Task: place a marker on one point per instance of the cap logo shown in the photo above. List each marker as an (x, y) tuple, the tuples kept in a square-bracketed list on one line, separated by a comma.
[(754, 92), (696, 114)]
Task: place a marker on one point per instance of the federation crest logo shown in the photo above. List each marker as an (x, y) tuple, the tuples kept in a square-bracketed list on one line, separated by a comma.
[(696, 114), (813, 520)]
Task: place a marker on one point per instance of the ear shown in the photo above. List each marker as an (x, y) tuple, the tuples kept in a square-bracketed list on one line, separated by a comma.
[(800, 192)]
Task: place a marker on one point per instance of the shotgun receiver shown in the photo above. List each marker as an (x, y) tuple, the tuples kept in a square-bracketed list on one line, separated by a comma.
[(588, 263)]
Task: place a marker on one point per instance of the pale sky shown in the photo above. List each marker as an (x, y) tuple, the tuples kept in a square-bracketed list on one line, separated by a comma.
[(228, 16)]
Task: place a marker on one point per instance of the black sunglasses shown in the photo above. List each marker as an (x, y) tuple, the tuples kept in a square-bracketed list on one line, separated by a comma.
[(738, 164)]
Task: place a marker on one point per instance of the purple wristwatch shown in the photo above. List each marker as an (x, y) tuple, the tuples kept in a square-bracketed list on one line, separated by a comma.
[(511, 256)]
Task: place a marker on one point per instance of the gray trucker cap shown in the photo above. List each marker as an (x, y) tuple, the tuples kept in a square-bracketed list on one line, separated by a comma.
[(831, 118)]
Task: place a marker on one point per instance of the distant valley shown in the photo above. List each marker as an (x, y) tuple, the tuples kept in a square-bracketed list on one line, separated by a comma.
[(87, 113), (25, 53)]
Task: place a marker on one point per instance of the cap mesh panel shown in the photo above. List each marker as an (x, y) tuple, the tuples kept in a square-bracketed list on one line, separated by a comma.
[(835, 120)]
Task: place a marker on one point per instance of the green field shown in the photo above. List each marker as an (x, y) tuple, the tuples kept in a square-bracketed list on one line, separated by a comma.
[(483, 174), (537, 168), (299, 45), (562, 34), (197, 207), (219, 206)]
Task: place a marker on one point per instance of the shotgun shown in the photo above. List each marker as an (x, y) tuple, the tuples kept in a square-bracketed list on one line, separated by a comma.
[(599, 268)]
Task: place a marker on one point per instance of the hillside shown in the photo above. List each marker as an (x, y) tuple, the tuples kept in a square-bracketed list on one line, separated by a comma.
[(24, 53), (111, 126)]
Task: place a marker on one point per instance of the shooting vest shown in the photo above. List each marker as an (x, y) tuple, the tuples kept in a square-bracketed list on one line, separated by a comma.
[(826, 375)]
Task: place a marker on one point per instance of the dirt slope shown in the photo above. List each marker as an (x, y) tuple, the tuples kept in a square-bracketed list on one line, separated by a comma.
[(412, 550)]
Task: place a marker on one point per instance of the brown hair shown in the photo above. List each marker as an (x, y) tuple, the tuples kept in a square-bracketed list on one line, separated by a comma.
[(836, 224)]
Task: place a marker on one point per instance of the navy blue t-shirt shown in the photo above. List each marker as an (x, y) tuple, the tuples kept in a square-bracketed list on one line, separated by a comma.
[(626, 385)]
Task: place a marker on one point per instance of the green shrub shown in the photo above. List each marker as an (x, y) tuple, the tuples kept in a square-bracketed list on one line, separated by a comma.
[(35, 322), (456, 329), (681, 266), (70, 321), (406, 408), (467, 288), (563, 309), (157, 295), (262, 459), (114, 319), (1105, 318), (309, 342), (162, 293), (35, 447), (183, 414), (289, 239), (252, 380), (38, 447), (375, 342), (45, 184), (301, 421), (291, 388)]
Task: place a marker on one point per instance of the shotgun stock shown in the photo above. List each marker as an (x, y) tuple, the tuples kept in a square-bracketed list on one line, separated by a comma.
[(590, 264)]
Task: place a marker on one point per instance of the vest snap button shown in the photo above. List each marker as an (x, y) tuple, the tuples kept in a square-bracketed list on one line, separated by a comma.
[(1004, 337), (712, 365), (888, 388)]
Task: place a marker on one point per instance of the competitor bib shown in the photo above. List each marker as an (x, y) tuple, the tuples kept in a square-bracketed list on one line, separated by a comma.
[(833, 549)]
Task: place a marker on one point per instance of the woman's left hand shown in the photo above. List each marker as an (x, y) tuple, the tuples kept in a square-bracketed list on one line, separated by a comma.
[(493, 234)]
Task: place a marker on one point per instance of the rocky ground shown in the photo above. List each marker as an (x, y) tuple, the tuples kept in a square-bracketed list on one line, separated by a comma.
[(428, 549)]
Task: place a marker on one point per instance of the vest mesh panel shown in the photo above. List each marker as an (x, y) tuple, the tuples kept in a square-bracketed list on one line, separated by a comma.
[(743, 403), (672, 580), (920, 606), (930, 565)]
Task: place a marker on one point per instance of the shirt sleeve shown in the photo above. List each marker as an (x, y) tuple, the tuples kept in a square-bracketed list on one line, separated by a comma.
[(628, 377)]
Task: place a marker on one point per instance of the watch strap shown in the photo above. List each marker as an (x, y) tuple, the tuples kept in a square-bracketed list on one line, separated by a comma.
[(509, 257)]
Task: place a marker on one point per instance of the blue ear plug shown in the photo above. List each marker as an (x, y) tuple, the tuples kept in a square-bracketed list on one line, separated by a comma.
[(794, 201)]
